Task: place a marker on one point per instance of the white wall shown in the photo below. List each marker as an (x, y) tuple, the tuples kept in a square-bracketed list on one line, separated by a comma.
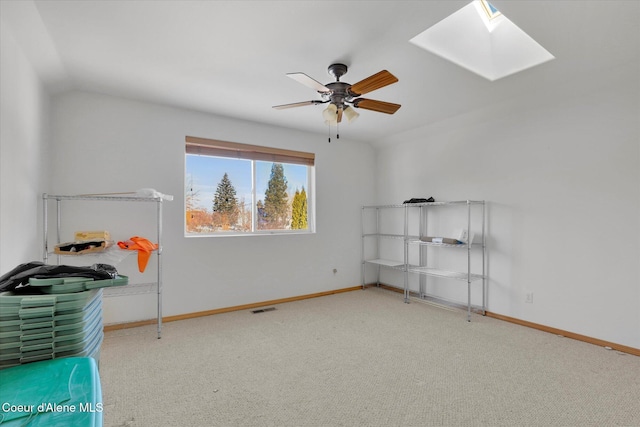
[(24, 115), (108, 144), (561, 174)]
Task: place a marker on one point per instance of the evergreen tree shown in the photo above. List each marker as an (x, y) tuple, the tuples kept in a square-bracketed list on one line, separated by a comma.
[(225, 203), (299, 210), (275, 198)]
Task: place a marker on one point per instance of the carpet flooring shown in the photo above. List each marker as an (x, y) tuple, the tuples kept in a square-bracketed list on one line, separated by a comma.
[(362, 358)]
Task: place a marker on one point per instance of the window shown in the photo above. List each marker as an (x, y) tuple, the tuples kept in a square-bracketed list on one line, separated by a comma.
[(240, 189), (489, 9)]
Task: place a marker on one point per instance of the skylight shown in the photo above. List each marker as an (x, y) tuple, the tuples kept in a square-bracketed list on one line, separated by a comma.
[(481, 39), (489, 9)]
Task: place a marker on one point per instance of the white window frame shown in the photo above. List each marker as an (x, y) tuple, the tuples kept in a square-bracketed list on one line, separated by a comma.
[(234, 150)]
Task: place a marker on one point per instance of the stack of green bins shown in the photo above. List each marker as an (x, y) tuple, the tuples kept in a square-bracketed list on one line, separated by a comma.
[(57, 318)]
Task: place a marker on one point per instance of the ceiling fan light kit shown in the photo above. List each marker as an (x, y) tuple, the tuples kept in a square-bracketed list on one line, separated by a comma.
[(330, 113), (341, 95), (350, 114)]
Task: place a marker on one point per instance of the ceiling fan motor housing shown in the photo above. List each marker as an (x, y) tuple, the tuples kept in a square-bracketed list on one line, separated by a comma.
[(339, 93), (337, 70)]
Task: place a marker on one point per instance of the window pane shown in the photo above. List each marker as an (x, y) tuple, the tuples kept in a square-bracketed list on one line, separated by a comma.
[(281, 196), (217, 195), (225, 195)]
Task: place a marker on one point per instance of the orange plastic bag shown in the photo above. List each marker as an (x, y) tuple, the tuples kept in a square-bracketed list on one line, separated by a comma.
[(144, 248)]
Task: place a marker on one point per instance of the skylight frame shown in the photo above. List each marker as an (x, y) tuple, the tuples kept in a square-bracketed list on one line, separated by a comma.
[(490, 47), (491, 11)]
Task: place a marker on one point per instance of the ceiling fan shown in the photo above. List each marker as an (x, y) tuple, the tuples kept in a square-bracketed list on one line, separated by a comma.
[(340, 94)]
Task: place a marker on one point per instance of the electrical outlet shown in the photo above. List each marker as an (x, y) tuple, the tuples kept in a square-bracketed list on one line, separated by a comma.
[(528, 297)]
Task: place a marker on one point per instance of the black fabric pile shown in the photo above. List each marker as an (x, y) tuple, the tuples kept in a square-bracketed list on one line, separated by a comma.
[(419, 200), (18, 279)]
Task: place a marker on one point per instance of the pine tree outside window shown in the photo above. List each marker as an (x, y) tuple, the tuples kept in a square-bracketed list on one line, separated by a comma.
[(225, 205), (240, 189), (299, 216)]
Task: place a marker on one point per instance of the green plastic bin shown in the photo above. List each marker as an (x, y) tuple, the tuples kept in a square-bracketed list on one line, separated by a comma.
[(15, 306), (59, 285), (51, 328), (41, 327), (52, 393)]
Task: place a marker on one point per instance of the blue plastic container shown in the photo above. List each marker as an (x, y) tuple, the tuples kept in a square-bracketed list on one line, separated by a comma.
[(52, 393)]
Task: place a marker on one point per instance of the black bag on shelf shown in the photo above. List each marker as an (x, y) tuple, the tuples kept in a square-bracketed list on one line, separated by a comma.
[(429, 200)]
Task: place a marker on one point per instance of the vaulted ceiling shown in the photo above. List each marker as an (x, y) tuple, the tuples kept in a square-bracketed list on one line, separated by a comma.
[(230, 58)]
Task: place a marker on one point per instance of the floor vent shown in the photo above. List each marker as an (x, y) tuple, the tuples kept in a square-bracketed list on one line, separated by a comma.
[(262, 310)]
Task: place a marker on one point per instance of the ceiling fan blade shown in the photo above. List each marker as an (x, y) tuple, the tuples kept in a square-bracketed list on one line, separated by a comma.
[(308, 81), (371, 83), (379, 106), (297, 104)]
